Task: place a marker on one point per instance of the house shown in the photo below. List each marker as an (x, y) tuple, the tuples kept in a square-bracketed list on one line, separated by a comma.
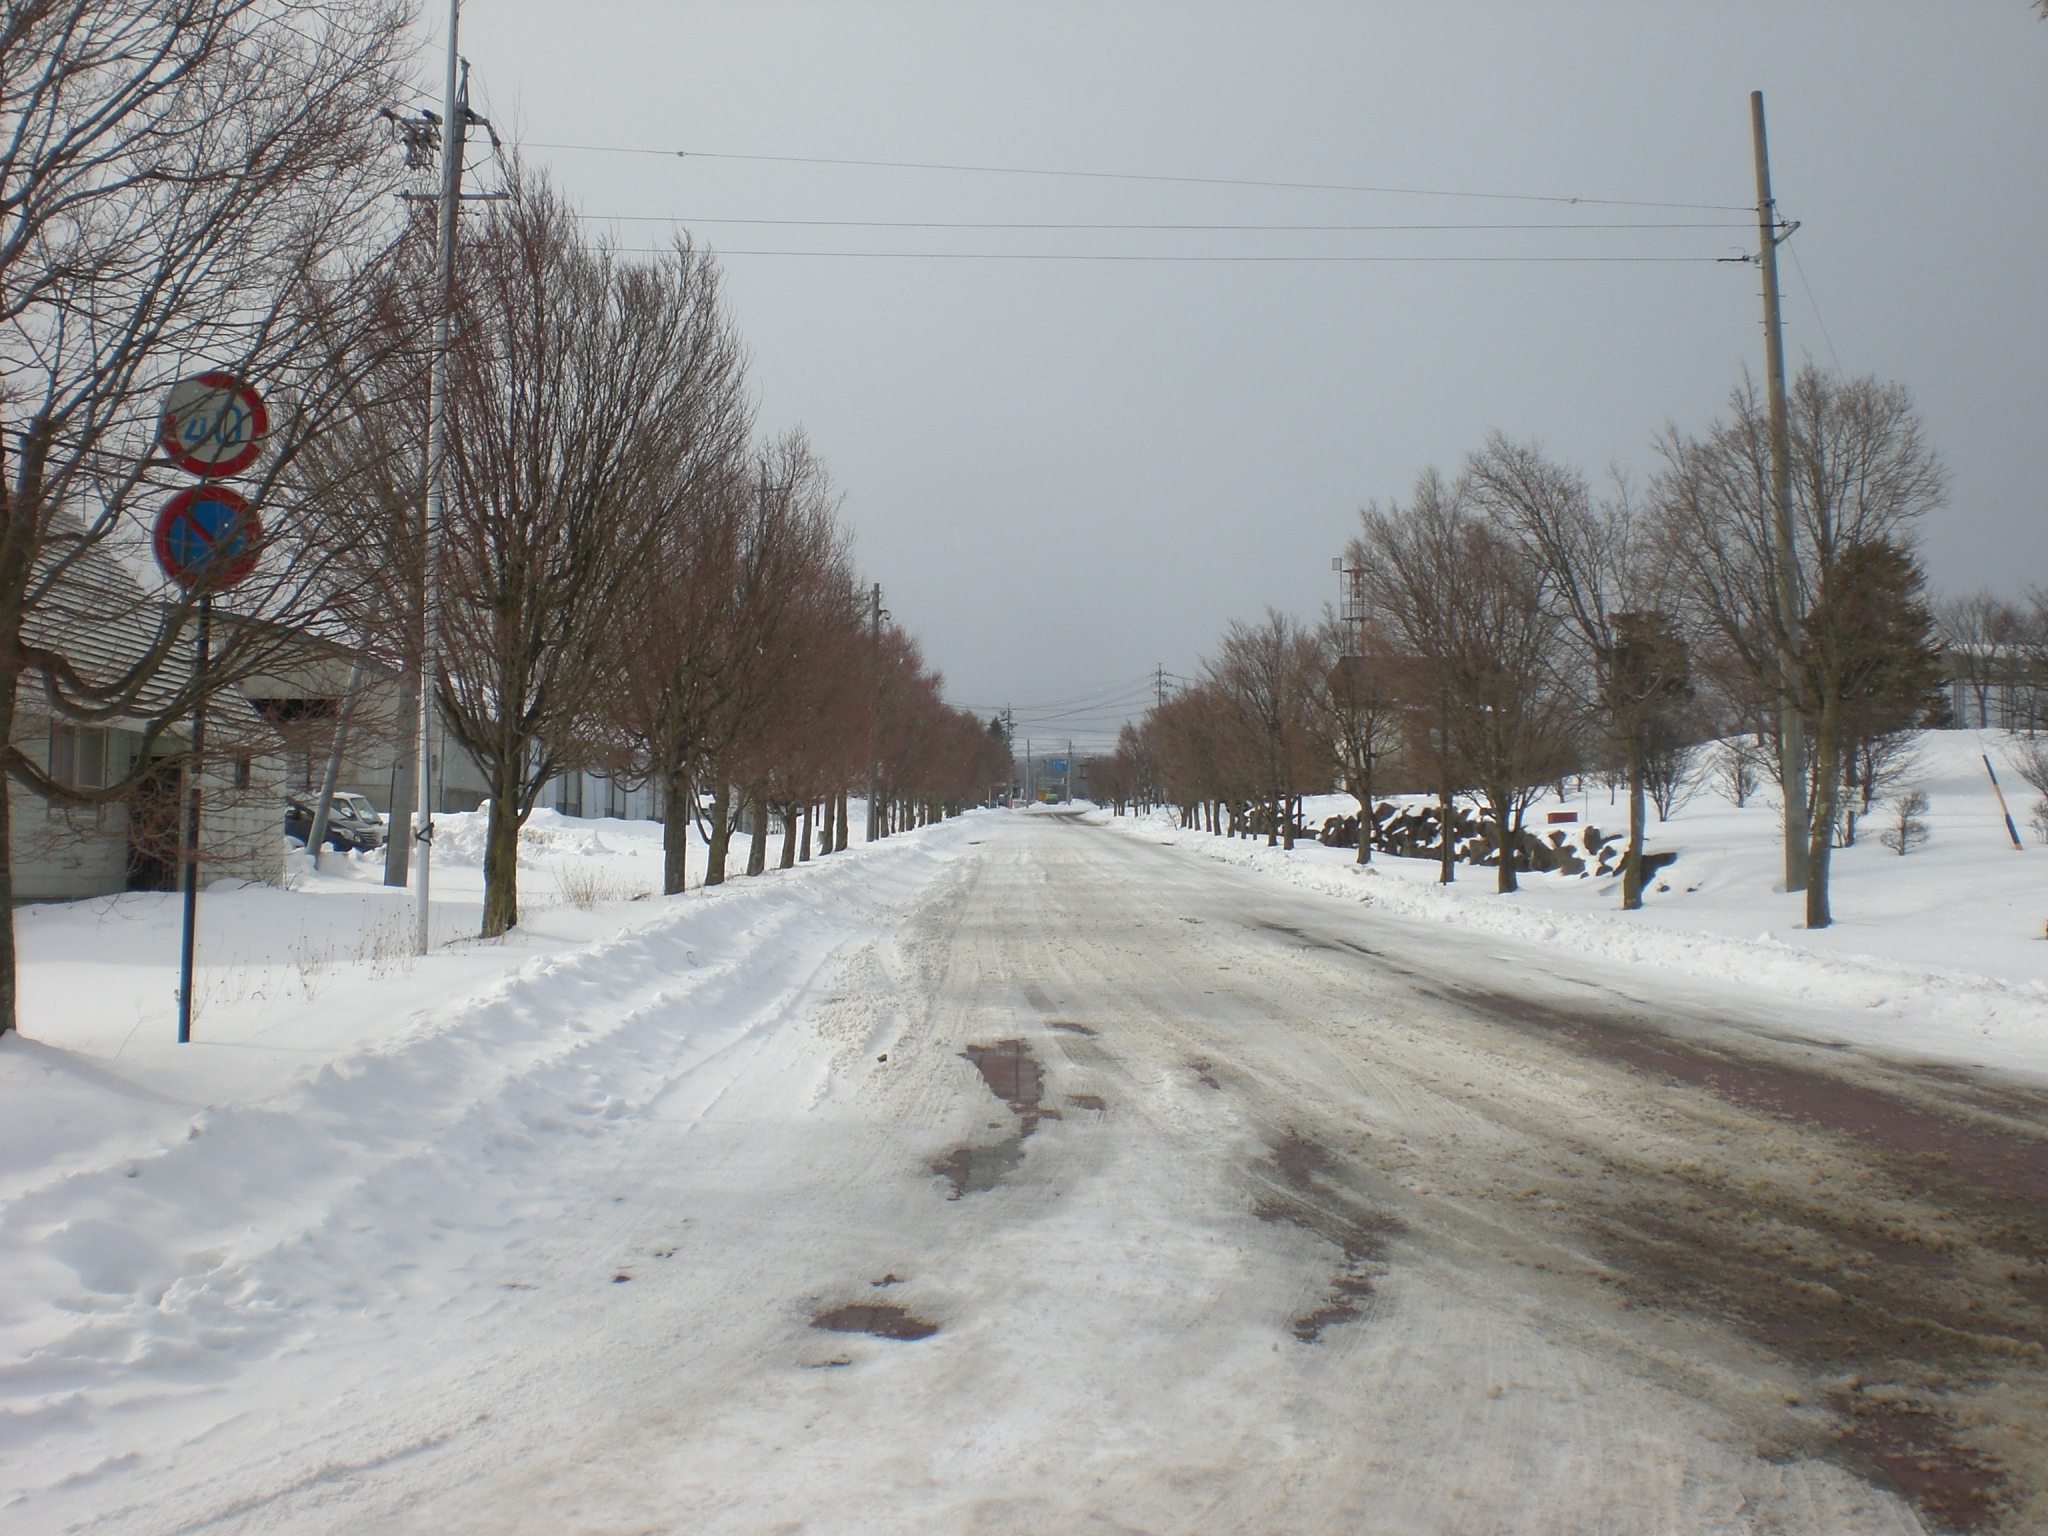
[(107, 626)]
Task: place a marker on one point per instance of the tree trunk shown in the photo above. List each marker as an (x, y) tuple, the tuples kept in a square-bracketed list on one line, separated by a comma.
[(804, 853), (398, 841), (1632, 861), (678, 812), (1446, 834), (1364, 782), (10, 689), (1503, 844), (757, 847), (839, 824), (788, 860), (1827, 799), (721, 834), (1287, 804), (501, 856)]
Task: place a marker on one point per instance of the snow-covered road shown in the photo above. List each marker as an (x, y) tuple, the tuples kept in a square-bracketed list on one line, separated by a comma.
[(1228, 1206)]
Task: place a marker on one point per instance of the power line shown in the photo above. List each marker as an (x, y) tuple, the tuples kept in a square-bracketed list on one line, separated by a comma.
[(1334, 229), (1197, 181), (1800, 267), (1254, 260)]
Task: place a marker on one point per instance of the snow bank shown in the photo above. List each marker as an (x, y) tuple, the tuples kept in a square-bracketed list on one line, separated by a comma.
[(173, 1217), (1940, 952)]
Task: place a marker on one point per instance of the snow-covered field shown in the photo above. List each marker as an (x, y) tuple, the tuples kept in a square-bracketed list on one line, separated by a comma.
[(1941, 953)]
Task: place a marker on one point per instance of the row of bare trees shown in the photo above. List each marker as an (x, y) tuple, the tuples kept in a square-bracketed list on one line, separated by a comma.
[(630, 579), (1510, 627)]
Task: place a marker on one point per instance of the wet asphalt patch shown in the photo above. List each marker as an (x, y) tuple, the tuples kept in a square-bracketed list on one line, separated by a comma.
[(1307, 1195), (882, 1321), (1013, 1075), (1951, 1295)]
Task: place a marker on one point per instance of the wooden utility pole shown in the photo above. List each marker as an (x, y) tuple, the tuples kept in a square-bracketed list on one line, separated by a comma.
[(1791, 723), (874, 629)]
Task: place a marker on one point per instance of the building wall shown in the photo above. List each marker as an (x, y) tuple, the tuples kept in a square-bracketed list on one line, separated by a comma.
[(593, 794), (381, 746), (65, 853)]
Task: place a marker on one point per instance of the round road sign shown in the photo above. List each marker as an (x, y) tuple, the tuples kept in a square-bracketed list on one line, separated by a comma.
[(213, 424), (207, 536)]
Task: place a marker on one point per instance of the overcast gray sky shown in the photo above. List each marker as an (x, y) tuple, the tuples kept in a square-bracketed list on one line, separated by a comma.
[(1066, 472)]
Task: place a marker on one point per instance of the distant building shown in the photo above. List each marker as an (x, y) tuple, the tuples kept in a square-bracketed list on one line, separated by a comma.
[(2002, 687)]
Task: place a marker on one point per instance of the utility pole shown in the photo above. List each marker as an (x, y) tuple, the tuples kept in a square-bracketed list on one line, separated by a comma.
[(456, 118), (875, 629), (1791, 723), (1159, 684)]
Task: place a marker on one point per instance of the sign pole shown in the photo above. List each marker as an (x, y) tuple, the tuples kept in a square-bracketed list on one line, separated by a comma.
[(195, 765), (452, 125)]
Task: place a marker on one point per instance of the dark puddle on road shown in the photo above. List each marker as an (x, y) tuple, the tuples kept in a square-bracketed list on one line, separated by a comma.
[(883, 1322), (1311, 1201), (1087, 1101), (1849, 1293), (1014, 1076), (1069, 1027), (1910, 1449), (976, 1170)]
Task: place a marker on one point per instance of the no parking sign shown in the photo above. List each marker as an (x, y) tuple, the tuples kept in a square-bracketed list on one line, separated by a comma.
[(207, 537)]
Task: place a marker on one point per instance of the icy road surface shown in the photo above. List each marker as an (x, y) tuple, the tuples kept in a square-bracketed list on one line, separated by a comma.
[(1147, 1194)]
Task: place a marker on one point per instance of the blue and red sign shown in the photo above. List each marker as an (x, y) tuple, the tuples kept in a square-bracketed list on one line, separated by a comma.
[(207, 537)]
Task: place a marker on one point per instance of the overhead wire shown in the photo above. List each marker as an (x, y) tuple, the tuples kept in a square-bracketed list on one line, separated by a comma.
[(1297, 229), (1290, 259), (1800, 267), (1141, 176)]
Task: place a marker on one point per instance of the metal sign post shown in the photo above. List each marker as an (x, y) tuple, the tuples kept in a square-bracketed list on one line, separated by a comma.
[(189, 853), (207, 539)]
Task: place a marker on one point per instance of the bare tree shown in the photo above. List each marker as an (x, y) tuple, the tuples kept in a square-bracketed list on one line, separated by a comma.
[(1738, 765), (1469, 605), (570, 414), (1355, 712), (1908, 828), (1609, 581), (1268, 671), (1974, 631), (1862, 477), (181, 180)]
